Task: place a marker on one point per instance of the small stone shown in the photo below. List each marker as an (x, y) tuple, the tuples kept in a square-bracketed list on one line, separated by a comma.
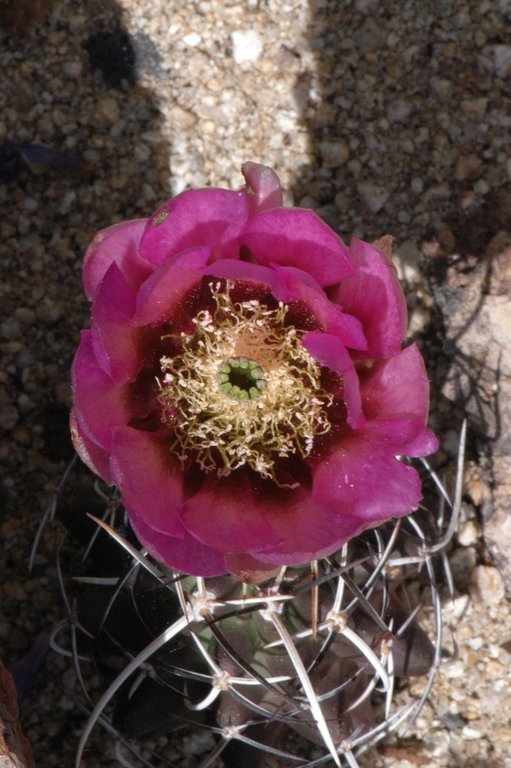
[(471, 734), (246, 46), (468, 167), (420, 318), (8, 416), (334, 153), (398, 111), (408, 262), (487, 585), (10, 329), (181, 118), (441, 86), (454, 669), (25, 404), (462, 561), (417, 186), (454, 609), (72, 69), (453, 721), (25, 315), (30, 205), (476, 107), (468, 533), (198, 742), (192, 40), (502, 60), (107, 111), (373, 195)]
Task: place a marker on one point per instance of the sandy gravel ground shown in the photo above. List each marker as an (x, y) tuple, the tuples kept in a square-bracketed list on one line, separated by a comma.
[(385, 117)]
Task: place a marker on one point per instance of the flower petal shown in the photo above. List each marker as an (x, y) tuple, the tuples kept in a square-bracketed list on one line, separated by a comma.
[(297, 238), (308, 532), (263, 187), (233, 269), (330, 352), (374, 295), (95, 457), (227, 514), (114, 341), (165, 289), (118, 243), (397, 390), (301, 287), (149, 478), (362, 481), (185, 554), (250, 570), (402, 437), (195, 218), (98, 403)]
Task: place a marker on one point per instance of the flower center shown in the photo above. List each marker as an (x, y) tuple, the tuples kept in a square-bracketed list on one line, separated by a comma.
[(242, 390), (241, 378)]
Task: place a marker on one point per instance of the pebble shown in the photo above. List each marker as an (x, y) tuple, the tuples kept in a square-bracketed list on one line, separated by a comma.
[(334, 153), (107, 111), (398, 111), (487, 585), (373, 195), (247, 46), (25, 315), (10, 329), (502, 60), (462, 561), (192, 40), (72, 69), (8, 417), (471, 734), (468, 533)]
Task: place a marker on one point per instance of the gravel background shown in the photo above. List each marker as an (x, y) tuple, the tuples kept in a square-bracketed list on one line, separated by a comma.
[(386, 117)]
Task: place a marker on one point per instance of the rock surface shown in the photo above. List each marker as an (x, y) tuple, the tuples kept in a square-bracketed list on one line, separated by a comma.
[(476, 310)]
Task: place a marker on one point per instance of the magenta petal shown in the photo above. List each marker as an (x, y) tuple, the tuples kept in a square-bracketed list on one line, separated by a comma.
[(332, 319), (195, 218), (95, 457), (330, 352), (397, 388), (263, 187), (401, 437), (113, 339), (374, 295), (250, 570), (227, 515), (185, 554), (149, 478), (98, 403), (363, 481), (164, 290), (233, 269), (308, 532), (297, 238), (117, 244)]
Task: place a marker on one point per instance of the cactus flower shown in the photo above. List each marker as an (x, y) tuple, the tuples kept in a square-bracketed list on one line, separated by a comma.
[(243, 382)]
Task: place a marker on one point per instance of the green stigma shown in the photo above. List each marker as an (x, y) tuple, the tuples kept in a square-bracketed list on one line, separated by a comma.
[(241, 378)]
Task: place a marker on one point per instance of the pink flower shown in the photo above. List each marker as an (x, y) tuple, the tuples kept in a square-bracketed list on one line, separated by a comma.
[(243, 382)]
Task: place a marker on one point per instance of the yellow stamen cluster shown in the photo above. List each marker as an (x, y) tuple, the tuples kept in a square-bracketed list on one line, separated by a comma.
[(242, 390)]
